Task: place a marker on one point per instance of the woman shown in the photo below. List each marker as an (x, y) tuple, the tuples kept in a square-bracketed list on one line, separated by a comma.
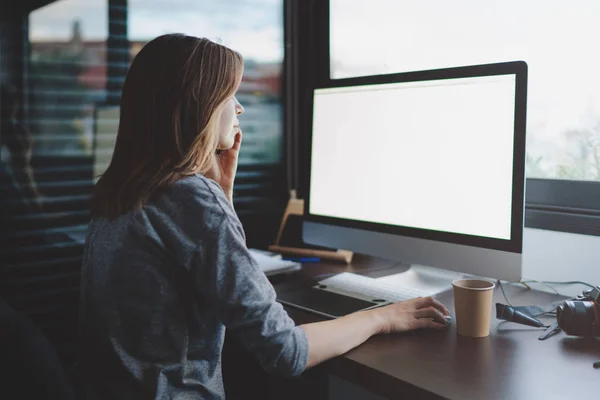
[(166, 268)]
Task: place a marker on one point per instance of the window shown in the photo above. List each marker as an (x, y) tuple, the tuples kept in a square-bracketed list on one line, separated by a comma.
[(80, 52), (62, 68), (55, 80), (252, 27), (255, 28), (557, 42), (67, 75)]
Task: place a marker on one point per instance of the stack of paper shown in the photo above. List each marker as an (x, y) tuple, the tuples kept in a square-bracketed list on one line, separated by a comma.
[(273, 265)]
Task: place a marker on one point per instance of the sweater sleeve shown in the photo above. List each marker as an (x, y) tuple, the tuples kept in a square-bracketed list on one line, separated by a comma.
[(243, 297)]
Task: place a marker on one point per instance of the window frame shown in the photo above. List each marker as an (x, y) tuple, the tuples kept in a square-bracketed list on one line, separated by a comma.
[(562, 205), (262, 189), (550, 204)]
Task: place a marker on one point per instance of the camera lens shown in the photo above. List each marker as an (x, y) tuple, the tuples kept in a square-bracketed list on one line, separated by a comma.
[(579, 318)]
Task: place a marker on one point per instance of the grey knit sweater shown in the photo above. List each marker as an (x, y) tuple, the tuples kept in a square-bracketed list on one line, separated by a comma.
[(159, 288)]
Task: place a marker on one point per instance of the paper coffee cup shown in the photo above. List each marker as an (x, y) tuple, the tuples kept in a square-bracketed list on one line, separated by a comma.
[(473, 306)]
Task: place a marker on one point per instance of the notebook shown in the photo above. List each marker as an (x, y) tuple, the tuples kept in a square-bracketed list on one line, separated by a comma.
[(273, 265)]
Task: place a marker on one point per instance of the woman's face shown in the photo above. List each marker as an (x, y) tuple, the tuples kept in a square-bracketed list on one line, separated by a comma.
[(229, 125)]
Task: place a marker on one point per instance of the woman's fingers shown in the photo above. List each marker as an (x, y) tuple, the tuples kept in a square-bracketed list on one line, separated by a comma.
[(237, 141), (424, 323), (430, 313), (413, 314), (424, 302)]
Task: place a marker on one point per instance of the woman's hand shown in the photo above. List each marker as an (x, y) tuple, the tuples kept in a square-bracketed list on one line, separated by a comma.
[(225, 167), (331, 338), (423, 312)]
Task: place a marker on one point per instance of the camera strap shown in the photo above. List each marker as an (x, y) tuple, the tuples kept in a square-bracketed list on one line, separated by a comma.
[(550, 331), (535, 311)]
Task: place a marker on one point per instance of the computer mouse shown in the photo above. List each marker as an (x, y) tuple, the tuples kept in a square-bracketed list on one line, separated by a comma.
[(448, 319)]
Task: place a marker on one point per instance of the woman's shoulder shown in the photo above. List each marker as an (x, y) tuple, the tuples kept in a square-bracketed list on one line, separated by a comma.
[(184, 215), (197, 194), (199, 189)]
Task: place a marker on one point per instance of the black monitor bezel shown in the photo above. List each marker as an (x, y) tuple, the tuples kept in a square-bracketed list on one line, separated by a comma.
[(515, 243)]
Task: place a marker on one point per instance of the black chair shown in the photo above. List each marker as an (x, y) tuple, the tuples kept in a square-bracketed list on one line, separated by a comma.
[(30, 367)]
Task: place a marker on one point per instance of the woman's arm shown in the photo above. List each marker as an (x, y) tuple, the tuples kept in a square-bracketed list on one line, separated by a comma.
[(329, 339), (332, 338)]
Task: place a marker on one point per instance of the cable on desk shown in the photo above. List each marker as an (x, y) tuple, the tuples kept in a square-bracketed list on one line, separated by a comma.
[(503, 292), (524, 283), (566, 283), (545, 283), (550, 312), (549, 284)]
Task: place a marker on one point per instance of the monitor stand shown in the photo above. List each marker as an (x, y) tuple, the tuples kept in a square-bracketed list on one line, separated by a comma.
[(427, 279)]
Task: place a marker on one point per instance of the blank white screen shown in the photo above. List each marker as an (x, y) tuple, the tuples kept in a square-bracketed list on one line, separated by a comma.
[(435, 155)]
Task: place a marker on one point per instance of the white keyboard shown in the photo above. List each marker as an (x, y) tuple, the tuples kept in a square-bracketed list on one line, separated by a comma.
[(368, 288)]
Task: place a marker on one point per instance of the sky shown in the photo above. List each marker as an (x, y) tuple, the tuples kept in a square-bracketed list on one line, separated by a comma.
[(253, 27)]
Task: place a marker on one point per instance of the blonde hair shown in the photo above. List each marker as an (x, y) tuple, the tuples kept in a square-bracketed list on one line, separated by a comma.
[(171, 104)]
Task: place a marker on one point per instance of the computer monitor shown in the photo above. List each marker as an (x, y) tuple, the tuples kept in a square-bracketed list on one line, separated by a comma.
[(423, 167)]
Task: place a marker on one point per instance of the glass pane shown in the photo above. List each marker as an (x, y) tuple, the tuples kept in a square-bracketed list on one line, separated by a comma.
[(67, 41), (61, 74), (557, 41), (252, 27), (53, 74)]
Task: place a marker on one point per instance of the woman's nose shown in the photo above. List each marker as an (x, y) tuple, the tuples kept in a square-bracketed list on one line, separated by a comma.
[(239, 109)]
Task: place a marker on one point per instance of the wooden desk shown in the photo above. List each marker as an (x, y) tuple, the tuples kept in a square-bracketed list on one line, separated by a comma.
[(509, 364)]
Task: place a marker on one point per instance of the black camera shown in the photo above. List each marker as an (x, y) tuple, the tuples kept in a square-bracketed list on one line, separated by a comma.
[(581, 317)]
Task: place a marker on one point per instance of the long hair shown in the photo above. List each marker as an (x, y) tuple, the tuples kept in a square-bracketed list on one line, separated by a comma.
[(171, 102)]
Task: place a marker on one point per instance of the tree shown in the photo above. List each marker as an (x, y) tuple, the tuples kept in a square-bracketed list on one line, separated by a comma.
[(534, 167), (586, 160)]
